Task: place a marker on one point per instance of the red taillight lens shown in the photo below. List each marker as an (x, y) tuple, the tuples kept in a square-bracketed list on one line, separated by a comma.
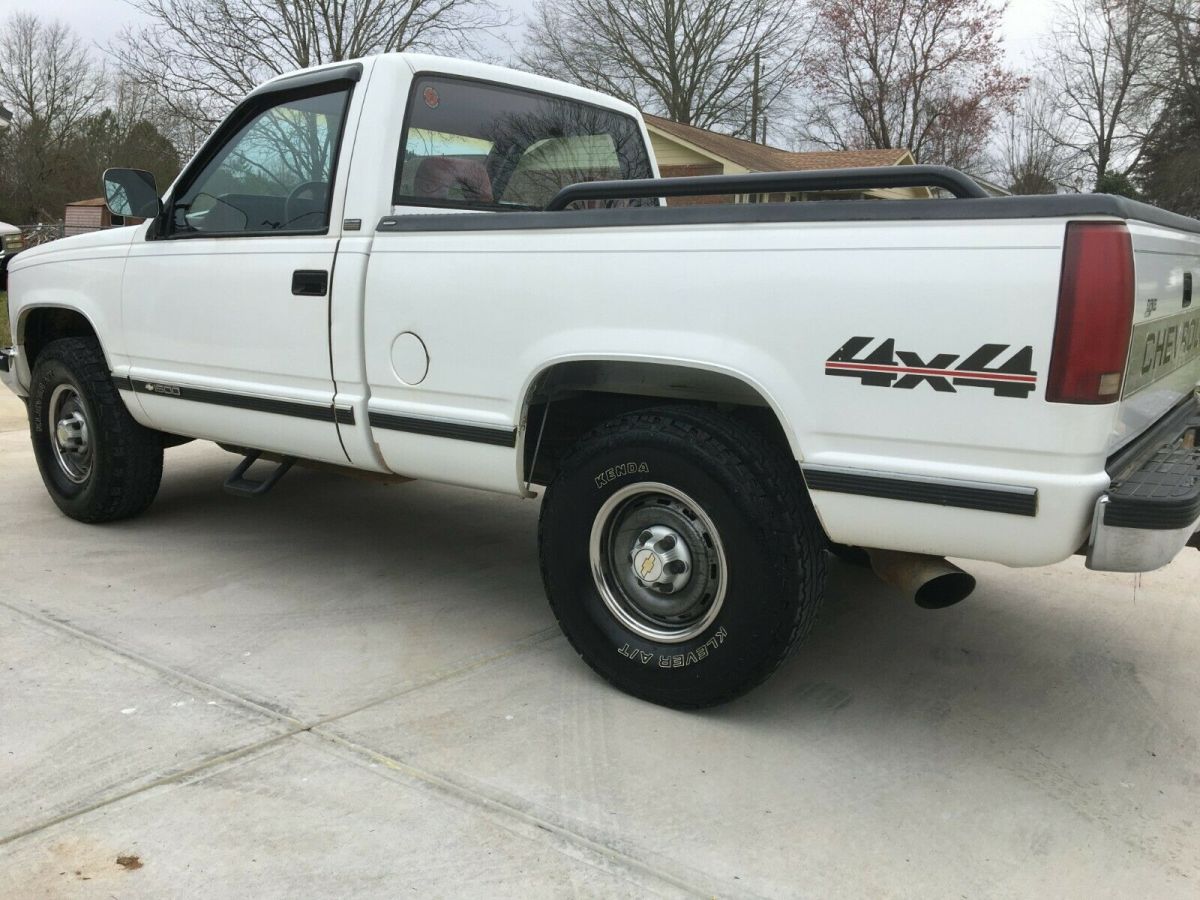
[(1095, 314)]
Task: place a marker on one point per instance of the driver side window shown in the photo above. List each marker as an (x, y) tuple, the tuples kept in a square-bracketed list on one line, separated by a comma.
[(273, 175)]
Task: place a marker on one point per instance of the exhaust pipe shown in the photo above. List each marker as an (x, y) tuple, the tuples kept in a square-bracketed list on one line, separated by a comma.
[(931, 581)]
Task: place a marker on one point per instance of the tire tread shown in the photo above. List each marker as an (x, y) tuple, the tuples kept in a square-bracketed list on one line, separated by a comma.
[(128, 465), (764, 471)]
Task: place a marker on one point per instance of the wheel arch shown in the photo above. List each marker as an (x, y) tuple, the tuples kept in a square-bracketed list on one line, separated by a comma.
[(580, 392), (41, 323)]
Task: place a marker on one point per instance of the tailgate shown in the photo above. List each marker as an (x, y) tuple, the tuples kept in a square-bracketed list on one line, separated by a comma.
[(1164, 349)]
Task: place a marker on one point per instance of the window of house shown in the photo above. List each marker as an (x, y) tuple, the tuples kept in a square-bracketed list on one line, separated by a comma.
[(474, 145), (274, 174)]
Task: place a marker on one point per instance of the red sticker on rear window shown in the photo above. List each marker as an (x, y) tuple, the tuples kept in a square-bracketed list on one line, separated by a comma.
[(431, 97)]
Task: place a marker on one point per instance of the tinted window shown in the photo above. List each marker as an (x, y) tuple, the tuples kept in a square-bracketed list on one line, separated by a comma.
[(273, 175), (476, 145)]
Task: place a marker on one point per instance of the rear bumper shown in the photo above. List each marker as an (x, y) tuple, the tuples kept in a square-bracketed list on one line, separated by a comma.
[(1151, 511)]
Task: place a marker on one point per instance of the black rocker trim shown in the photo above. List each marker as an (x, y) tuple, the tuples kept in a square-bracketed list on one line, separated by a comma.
[(459, 431), (480, 434), (292, 408), (999, 498)]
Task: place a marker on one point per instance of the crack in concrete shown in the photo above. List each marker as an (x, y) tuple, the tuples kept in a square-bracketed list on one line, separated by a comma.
[(295, 725), (392, 766), (355, 752)]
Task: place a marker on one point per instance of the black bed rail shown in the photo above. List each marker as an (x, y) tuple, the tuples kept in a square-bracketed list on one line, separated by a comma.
[(876, 178)]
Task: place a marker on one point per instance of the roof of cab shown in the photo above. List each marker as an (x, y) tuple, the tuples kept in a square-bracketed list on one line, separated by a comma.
[(425, 62)]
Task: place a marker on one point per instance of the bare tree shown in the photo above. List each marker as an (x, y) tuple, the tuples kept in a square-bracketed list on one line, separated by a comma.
[(1178, 25), (692, 61), (202, 56), (1105, 59), (1168, 166), (1031, 156), (927, 76), (53, 87), (47, 77)]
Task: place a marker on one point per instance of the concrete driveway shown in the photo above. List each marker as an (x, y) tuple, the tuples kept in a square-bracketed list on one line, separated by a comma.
[(351, 690)]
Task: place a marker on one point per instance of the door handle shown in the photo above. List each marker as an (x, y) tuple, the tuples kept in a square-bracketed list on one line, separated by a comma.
[(310, 283)]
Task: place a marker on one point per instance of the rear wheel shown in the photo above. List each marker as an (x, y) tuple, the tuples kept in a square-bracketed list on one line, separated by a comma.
[(97, 463), (680, 555)]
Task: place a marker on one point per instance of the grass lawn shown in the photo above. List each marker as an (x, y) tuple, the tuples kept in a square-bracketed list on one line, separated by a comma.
[(5, 337)]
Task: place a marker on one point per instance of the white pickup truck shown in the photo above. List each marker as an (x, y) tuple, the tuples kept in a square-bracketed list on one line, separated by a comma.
[(11, 243), (382, 265)]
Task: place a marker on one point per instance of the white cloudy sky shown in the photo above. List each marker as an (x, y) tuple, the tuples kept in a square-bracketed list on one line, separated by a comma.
[(100, 20)]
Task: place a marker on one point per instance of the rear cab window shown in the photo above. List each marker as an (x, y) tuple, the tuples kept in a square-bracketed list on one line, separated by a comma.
[(476, 145)]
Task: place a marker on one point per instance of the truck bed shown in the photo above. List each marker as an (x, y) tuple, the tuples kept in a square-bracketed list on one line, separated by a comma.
[(1057, 206)]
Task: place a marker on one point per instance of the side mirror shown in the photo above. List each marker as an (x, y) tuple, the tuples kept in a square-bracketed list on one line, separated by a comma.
[(131, 192)]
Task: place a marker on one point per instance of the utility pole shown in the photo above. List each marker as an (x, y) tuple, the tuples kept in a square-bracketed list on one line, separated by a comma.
[(755, 101)]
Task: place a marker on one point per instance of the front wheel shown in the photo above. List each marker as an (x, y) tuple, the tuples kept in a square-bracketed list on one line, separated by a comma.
[(97, 463), (680, 555)]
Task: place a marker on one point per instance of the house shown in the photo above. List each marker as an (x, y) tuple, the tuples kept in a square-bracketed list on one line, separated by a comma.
[(684, 150), (83, 216)]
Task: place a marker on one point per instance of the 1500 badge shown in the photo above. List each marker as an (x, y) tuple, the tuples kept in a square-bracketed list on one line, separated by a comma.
[(885, 366)]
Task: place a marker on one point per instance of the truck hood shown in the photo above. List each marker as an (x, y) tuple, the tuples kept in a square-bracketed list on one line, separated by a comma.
[(5, 228), (109, 237)]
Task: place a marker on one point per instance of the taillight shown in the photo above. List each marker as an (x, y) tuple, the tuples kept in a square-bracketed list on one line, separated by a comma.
[(1095, 314)]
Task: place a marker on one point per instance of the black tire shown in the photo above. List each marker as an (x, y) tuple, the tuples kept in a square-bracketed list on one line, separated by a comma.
[(730, 478), (123, 460)]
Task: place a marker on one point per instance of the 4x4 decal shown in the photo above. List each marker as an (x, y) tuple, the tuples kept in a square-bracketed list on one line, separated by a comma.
[(885, 366)]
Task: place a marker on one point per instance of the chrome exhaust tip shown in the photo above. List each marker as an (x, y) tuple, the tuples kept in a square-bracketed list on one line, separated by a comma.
[(931, 581)]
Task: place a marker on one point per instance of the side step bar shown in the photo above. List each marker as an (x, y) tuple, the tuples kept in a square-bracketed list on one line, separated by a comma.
[(238, 483)]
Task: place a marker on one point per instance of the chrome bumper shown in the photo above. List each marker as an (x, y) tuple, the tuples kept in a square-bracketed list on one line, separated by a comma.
[(9, 359), (1151, 511), (1117, 549)]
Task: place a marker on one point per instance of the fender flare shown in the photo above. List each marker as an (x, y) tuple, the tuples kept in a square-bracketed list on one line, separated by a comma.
[(535, 380)]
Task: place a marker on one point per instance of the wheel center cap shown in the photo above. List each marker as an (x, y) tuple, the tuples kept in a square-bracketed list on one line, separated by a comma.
[(71, 433), (660, 559), (647, 565)]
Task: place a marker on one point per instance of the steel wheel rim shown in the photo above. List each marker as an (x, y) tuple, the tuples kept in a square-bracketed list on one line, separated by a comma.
[(674, 596), (70, 439)]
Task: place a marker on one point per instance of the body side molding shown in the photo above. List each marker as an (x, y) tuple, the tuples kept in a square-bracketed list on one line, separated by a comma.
[(461, 431), (982, 496), (295, 408)]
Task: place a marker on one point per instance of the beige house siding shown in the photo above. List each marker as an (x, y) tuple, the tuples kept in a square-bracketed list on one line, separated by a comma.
[(682, 150), (671, 150), (673, 153)]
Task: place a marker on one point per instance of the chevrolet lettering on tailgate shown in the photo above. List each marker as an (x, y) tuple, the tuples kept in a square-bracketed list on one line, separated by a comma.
[(1162, 347)]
